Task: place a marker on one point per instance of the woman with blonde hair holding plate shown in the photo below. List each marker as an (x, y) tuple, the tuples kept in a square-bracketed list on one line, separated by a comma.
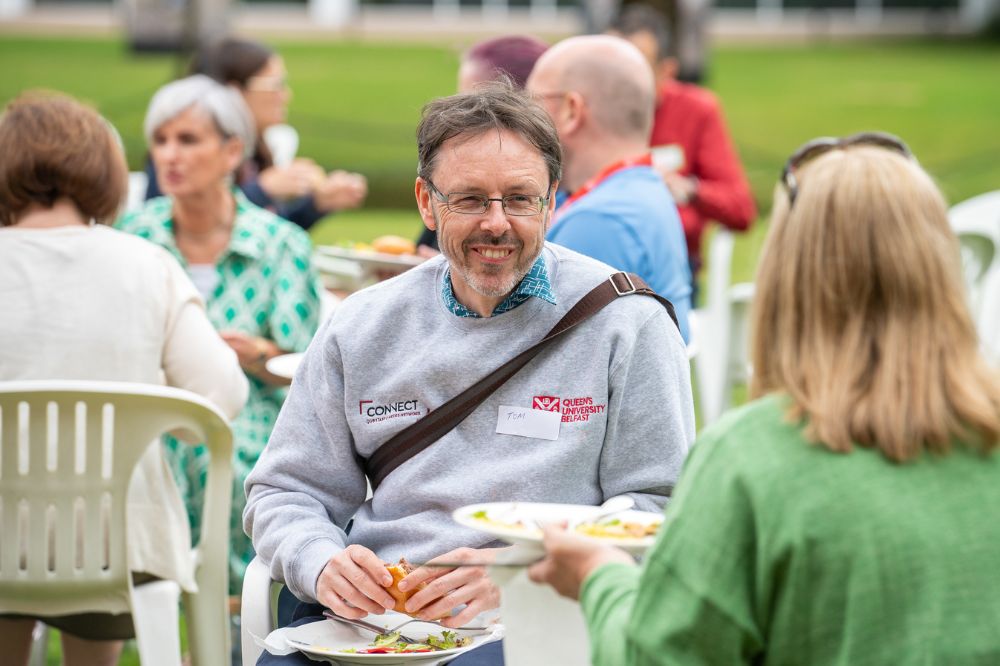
[(851, 513)]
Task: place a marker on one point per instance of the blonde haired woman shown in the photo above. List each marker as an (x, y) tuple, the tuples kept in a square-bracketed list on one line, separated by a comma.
[(851, 514)]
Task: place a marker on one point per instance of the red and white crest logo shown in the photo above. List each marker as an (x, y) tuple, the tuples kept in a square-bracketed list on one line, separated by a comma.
[(546, 403)]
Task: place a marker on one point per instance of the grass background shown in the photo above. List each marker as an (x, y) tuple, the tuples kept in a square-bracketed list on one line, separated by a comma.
[(356, 106)]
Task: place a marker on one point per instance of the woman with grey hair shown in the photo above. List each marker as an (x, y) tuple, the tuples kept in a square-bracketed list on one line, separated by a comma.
[(252, 268), (296, 188)]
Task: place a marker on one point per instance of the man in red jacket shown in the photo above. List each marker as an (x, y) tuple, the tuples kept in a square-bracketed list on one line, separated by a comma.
[(691, 145)]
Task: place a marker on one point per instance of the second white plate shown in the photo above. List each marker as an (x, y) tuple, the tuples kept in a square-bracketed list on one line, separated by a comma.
[(515, 522), (284, 365)]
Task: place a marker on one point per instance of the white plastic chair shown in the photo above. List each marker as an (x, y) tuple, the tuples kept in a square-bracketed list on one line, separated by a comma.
[(257, 609), (976, 222), (721, 360), (328, 302), (283, 142), (138, 181), (67, 453)]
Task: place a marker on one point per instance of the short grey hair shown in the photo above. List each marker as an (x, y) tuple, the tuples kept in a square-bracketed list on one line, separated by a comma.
[(223, 104), (495, 105)]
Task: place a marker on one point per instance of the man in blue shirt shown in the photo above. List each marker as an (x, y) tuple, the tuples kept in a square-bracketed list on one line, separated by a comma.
[(600, 93)]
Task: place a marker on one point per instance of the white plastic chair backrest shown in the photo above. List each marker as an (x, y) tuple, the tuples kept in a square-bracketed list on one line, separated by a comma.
[(283, 142), (328, 302), (720, 261), (138, 181), (67, 453), (976, 222), (712, 360)]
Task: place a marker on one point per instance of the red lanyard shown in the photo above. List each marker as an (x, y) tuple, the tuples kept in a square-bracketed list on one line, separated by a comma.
[(646, 159)]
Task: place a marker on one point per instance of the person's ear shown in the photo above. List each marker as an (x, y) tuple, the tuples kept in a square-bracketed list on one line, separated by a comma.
[(423, 193), (232, 149), (574, 112), (550, 209)]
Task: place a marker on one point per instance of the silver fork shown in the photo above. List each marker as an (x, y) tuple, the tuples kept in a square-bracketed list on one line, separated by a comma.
[(367, 626), (381, 630), (436, 622)]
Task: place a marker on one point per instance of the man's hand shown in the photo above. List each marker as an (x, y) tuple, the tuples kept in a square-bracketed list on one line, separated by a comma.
[(450, 587), (353, 584), (570, 558)]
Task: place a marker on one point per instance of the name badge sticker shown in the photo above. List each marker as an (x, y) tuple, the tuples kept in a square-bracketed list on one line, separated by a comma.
[(525, 422)]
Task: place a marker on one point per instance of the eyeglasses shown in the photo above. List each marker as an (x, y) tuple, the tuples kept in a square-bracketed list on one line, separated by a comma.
[(467, 203), (267, 83), (813, 149)]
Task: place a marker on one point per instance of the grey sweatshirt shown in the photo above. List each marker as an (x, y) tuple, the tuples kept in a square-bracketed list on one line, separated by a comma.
[(392, 351)]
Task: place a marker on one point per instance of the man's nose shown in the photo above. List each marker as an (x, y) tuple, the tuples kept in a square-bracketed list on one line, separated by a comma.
[(495, 220)]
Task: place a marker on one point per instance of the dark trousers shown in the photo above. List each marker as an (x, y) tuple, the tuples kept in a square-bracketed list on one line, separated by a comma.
[(292, 613)]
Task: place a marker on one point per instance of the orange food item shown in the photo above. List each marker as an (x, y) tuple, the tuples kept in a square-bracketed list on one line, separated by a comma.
[(398, 572), (394, 245)]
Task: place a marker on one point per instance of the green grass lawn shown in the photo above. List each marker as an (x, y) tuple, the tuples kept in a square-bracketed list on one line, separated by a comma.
[(356, 106)]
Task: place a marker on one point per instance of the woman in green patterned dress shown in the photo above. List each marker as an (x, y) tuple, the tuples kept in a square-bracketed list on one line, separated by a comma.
[(252, 267)]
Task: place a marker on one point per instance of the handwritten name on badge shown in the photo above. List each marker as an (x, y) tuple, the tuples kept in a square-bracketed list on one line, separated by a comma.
[(525, 422)]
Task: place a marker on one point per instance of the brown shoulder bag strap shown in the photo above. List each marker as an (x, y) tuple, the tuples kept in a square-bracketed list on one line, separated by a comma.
[(416, 437)]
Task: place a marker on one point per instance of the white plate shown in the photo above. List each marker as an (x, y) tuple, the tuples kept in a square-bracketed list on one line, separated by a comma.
[(504, 516), (284, 365), (371, 258), (326, 639)]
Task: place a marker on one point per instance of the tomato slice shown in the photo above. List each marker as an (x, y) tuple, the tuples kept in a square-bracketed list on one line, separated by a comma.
[(390, 650)]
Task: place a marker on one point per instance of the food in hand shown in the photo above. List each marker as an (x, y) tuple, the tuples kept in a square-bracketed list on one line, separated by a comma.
[(398, 572), (394, 245)]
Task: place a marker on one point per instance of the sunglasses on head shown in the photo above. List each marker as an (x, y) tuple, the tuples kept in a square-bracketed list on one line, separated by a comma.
[(813, 149)]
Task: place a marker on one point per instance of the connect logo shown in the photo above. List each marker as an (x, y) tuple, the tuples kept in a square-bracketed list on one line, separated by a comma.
[(546, 403), (374, 412)]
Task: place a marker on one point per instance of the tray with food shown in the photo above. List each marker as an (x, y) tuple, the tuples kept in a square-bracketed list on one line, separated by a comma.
[(353, 266)]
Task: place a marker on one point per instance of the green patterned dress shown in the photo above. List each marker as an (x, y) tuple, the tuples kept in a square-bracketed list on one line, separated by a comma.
[(267, 288)]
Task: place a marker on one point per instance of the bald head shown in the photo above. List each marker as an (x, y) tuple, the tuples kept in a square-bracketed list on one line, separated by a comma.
[(611, 74)]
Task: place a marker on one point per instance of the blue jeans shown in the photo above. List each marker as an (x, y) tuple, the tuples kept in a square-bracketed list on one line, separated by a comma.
[(293, 613)]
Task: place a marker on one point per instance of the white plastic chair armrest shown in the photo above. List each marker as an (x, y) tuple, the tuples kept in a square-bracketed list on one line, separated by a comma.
[(256, 615)]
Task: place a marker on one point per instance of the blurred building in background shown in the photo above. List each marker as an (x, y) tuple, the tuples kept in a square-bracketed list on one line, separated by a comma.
[(162, 23)]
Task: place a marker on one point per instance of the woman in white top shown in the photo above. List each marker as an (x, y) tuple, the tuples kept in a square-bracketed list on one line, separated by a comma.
[(83, 301)]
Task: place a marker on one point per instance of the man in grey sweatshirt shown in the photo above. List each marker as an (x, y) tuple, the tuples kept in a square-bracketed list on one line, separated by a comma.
[(619, 383)]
